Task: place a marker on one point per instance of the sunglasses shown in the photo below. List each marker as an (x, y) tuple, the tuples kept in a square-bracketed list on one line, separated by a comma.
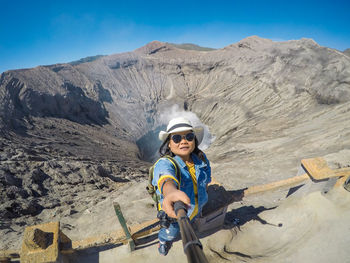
[(188, 137)]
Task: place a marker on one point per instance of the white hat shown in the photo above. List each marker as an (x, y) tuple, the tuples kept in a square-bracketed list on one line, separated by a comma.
[(181, 124)]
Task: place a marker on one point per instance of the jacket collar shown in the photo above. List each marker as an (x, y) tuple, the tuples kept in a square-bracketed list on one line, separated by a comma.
[(197, 162)]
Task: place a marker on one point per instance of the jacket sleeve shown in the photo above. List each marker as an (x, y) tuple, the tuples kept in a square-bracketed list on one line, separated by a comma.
[(164, 169)]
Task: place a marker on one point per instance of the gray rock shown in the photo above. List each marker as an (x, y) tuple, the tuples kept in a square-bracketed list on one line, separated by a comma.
[(8, 179), (21, 207), (38, 176), (32, 208), (14, 192)]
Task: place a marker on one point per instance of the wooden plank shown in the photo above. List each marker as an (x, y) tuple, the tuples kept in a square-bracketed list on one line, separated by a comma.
[(9, 254), (145, 228), (275, 185), (340, 182), (342, 171), (116, 237), (317, 168), (319, 171)]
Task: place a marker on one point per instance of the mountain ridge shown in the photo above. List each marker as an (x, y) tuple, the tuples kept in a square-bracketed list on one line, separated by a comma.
[(347, 51)]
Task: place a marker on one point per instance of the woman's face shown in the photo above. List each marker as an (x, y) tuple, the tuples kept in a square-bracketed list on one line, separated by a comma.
[(182, 148)]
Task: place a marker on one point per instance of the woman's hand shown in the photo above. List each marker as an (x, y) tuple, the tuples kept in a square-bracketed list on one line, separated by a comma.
[(171, 195)]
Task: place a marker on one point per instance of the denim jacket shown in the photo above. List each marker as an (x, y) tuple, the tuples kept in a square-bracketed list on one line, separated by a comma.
[(164, 168)]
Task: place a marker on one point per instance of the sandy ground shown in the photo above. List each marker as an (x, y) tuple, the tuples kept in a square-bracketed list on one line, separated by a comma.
[(308, 226), (312, 229)]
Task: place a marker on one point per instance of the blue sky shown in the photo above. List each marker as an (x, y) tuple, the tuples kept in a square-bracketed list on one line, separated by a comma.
[(46, 32)]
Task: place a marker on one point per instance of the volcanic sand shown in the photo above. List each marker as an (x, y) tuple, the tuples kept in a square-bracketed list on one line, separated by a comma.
[(310, 227)]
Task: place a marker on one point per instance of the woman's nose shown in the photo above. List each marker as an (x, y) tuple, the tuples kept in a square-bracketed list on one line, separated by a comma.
[(183, 140)]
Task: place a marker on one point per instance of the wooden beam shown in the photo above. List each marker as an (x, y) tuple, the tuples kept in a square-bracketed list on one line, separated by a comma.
[(342, 172), (145, 228), (8, 254), (116, 237), (317, 168), (275, 185), (340, 182)]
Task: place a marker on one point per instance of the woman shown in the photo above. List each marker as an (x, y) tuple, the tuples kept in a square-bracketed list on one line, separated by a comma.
[(180, 141)]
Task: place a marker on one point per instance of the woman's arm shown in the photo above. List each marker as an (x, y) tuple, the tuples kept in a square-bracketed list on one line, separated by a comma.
[(171, 195)]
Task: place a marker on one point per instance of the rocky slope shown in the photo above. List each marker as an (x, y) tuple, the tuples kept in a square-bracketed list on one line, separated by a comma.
[(347, 51), (73, 134)]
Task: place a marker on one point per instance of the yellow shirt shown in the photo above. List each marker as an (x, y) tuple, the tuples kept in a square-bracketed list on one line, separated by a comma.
[(192, 171)]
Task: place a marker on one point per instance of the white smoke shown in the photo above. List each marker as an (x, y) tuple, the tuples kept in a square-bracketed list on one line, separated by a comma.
[(175, 111)]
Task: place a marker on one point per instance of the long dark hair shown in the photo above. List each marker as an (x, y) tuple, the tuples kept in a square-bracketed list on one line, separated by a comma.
[(165, 150)]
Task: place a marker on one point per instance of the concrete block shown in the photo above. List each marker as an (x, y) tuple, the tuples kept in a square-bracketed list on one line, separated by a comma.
[(41, 244)]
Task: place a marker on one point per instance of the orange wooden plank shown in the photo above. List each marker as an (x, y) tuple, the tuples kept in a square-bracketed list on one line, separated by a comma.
[(275, 185), (317, 168)]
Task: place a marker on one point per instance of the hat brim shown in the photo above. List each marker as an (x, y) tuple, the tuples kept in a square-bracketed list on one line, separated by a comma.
[(198, 131)]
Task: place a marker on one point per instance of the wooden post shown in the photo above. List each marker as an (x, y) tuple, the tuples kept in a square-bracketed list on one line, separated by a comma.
[(122, 222)]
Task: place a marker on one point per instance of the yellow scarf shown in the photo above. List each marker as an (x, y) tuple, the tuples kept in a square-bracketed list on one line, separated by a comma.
[(192, 171)]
